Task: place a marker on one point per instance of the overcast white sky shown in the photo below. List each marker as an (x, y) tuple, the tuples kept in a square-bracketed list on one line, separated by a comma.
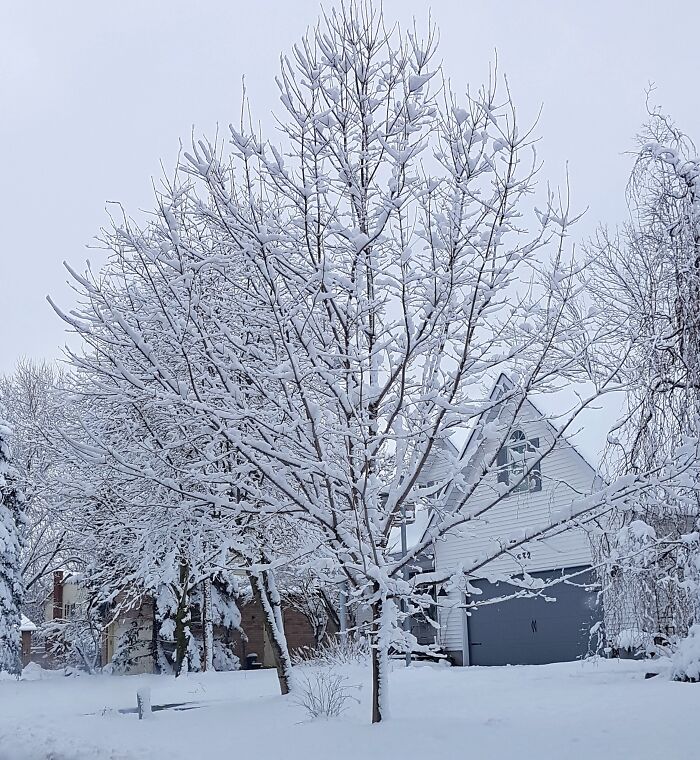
[(94, 95)]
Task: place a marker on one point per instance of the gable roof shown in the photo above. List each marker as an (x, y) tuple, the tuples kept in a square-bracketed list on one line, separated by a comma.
[(588, 437), (589, 432)]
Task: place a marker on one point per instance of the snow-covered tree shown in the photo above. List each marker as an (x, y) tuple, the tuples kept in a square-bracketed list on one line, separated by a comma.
[(36, 410), (75, 641), (312, 320), (147, 541), (157, 483), (400, 267), (11, 586), (648, 286)]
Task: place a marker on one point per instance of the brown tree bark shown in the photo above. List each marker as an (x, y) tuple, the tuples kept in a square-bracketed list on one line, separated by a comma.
[(181, 618), (380, 659), (262, 595)]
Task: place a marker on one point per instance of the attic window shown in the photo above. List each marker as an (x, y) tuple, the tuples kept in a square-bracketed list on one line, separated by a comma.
[(515, 458)]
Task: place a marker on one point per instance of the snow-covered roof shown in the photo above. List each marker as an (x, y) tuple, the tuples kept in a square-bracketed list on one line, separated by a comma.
[(588, 434), (26, 624), (414, 530)]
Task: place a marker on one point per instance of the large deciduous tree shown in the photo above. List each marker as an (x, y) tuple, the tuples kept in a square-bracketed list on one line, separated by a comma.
[(312, 320), (400, 266)]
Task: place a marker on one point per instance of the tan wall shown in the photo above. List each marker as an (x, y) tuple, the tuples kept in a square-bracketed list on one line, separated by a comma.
[(120, 627), (299, 634)]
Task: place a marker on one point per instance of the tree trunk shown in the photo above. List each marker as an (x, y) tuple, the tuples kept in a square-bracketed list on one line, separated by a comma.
[(155, 654), (207, 626), (265, 593), (181, 620), (381, 633)]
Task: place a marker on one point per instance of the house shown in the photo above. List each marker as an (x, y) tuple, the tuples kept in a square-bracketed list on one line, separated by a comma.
[(297, 628), (130, 635), (526, 630), (67, 597), (249, 643)]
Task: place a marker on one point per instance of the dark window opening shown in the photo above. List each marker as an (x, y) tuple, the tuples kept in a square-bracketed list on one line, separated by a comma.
[(518, 463)]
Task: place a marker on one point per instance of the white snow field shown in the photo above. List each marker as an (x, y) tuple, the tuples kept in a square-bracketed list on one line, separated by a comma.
[(595, 710)]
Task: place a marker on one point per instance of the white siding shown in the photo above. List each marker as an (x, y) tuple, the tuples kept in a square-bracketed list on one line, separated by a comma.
[(441, 462), (73, 594), (141, 652), (565, 476)]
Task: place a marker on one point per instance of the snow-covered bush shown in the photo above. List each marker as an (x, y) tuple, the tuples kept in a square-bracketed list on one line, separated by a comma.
[(686, 659), (632, 640), (323, 694), (224, 658), (34, 672), (130, 648), (74, 642), (353, 650)]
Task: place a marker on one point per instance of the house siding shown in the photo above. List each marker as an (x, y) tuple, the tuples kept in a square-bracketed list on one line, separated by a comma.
[(298, 632), (565, 476)]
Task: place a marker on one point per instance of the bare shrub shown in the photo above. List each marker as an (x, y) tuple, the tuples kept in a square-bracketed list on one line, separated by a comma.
[(324, 694), (336, 651)]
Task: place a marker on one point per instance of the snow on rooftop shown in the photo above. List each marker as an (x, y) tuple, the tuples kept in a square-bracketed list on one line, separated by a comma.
[(588, 433), (26, 624), (414, 530)]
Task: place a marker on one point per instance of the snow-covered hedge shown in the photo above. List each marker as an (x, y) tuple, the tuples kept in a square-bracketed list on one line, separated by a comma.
[(686, 659)]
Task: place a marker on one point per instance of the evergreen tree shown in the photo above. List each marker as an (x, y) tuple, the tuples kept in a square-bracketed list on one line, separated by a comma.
[(11, 521)]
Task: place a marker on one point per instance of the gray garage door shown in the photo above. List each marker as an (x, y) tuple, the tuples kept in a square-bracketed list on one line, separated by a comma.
[(533, 631)]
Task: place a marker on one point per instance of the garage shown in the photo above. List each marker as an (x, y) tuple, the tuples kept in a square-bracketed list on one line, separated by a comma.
[(532, 631)]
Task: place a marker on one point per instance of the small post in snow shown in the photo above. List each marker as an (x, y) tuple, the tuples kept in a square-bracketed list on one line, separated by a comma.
[(143, 702)]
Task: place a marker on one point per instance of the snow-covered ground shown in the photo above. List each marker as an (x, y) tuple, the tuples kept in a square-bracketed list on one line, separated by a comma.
[(597, 709)]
